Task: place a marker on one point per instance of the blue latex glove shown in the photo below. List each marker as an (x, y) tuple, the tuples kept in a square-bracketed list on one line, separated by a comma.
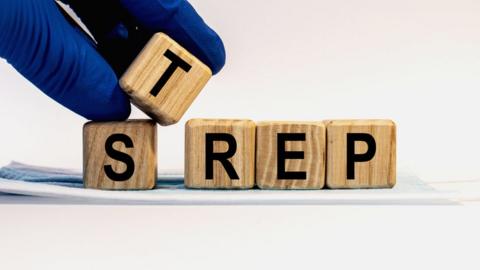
[(61, 60)]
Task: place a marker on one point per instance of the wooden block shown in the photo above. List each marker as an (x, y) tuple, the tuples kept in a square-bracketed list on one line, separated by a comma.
[(290, 155), (120, 155), (219, 154), (361, 154), (164, 79)]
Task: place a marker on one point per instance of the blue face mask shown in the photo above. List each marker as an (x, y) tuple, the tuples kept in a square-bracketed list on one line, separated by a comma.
[(66, 185)]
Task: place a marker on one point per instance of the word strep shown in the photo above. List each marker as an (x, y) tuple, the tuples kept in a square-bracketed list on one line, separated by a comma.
[(164, 80), (239, 154)]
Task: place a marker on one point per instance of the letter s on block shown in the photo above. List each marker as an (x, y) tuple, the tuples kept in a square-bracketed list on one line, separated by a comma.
[(120, 156)]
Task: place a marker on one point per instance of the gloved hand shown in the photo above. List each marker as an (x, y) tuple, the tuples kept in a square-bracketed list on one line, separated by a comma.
[(66, 64)]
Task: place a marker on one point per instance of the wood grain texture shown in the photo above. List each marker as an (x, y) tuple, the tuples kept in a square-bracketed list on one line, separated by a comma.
[(379, 172), (243, 160), (143, 134), (313, 148), (176, 96)]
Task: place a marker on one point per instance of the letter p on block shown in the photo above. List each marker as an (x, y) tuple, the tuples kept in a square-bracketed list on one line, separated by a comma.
[(361, 154)]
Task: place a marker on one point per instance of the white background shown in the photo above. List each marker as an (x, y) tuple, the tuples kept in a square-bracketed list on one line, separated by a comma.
[(415, 61)]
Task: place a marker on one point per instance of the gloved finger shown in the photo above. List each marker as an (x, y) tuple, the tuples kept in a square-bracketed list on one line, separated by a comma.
[(59, 59), (122, 30), (179, 20), (119, 40), (100, 17)]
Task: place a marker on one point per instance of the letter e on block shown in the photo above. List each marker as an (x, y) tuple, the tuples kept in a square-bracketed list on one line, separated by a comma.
[(361, 154), (290, 155), (164, 79), (219, 154), (120, 155)]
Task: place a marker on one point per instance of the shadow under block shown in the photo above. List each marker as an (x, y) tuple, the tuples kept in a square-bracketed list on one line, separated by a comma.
[(219, 154), (290, 155), (361, 154), (120, 155), (164, 79)]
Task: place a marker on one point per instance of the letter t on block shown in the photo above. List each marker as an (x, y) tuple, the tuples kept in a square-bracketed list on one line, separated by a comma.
[(164, 79), (219, 154), (120, 155)]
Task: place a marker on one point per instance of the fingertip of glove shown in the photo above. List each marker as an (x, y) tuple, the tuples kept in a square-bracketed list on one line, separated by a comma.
[(117, 109), (218, 60), (213, 54)]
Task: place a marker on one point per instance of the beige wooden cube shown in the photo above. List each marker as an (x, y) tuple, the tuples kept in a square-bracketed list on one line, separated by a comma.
[(120, 155), (219, 154), (361, 154), (290, 155), (164, 79)]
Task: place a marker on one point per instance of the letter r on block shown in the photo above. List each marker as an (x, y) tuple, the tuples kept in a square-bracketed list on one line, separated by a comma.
[(219, 154)]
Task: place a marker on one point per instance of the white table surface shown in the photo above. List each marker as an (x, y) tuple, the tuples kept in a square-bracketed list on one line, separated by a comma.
[(44, 236), (55, 233)]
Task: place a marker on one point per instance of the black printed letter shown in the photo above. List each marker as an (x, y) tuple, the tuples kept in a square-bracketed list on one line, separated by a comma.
[(177, 62), (352, 157), (120, 156), (210, 156), (282, 155)]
